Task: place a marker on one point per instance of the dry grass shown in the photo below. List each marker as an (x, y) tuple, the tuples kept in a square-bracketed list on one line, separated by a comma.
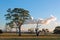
[(14, 35)]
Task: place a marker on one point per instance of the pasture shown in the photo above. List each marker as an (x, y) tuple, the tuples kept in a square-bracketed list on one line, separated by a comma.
[(30, 39), (14, 36)]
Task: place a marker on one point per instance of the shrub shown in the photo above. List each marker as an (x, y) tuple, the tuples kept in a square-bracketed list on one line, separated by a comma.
[(1, 31), (57, 30)]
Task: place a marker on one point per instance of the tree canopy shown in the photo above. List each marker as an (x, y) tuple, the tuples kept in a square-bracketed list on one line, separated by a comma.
[(18, 16)]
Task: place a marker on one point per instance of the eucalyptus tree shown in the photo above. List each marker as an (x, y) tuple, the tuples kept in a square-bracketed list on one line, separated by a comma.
[(19, 16)]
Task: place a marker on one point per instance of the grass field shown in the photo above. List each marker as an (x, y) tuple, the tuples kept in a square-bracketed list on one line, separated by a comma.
[(29, 38), (14, 36)]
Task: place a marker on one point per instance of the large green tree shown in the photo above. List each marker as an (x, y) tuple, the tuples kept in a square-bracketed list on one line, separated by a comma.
[(18, 15)]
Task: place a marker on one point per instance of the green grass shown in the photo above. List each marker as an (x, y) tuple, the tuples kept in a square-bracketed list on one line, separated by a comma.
[(29, 38)]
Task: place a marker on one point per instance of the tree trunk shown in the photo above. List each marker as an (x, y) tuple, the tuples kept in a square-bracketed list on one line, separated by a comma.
[(36, 32), (19, 25), (19, 30)]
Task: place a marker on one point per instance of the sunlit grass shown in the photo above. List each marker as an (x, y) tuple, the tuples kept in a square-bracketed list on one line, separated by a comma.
[(30, 39), (15, 35)]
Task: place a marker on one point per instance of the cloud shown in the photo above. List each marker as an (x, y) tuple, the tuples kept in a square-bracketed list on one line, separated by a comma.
[(41, 20), (32, 18), (48, 20)]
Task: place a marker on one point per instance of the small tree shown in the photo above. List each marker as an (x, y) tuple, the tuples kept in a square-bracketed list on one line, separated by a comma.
[(10, 24), (37, 29)]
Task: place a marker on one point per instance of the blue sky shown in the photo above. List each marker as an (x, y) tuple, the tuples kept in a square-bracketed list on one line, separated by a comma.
[(37, 8)]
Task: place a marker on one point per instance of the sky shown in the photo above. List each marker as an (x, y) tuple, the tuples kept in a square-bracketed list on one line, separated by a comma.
[(37, 8)]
